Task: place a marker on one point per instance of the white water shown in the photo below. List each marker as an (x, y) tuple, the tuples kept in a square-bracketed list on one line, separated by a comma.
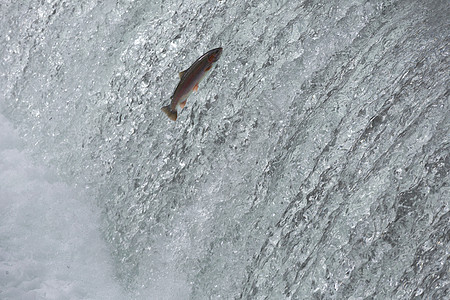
[(312, 164), (51, 246)]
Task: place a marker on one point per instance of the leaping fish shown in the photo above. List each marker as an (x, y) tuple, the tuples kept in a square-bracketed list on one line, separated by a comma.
[(189, 80)]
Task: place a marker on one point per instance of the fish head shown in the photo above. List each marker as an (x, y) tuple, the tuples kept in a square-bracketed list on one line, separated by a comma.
[(214, 55)]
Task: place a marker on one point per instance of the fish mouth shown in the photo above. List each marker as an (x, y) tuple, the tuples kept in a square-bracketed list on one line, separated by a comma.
[(216, 53)]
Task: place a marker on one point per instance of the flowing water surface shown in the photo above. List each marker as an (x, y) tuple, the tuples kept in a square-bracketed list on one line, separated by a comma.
[(313, 162)]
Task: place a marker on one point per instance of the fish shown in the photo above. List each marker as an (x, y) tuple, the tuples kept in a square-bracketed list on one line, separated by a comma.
[(189, 80)]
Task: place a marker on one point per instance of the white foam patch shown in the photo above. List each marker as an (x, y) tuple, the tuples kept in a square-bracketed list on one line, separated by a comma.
[(50, 242)]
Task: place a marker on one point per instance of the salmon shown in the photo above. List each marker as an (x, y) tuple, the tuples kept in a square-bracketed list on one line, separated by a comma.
[(189, 80)]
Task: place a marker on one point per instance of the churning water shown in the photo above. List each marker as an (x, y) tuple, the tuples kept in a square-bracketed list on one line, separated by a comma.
[(313, 163)]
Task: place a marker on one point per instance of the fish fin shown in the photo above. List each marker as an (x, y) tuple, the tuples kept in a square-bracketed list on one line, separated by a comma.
[(182, 104), (181, 74), (208, 68), (169, 112), (195, 87)]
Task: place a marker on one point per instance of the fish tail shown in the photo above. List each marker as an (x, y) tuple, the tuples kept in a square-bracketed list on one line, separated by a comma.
[(172, 114)]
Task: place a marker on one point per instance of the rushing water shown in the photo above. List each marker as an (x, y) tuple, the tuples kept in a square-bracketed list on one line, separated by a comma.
[(313, 163)]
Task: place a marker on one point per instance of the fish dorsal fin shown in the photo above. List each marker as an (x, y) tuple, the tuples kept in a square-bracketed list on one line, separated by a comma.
[(181, 74)]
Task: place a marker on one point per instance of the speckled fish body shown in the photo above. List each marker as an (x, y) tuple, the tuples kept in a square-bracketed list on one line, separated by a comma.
[(189, 81)]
